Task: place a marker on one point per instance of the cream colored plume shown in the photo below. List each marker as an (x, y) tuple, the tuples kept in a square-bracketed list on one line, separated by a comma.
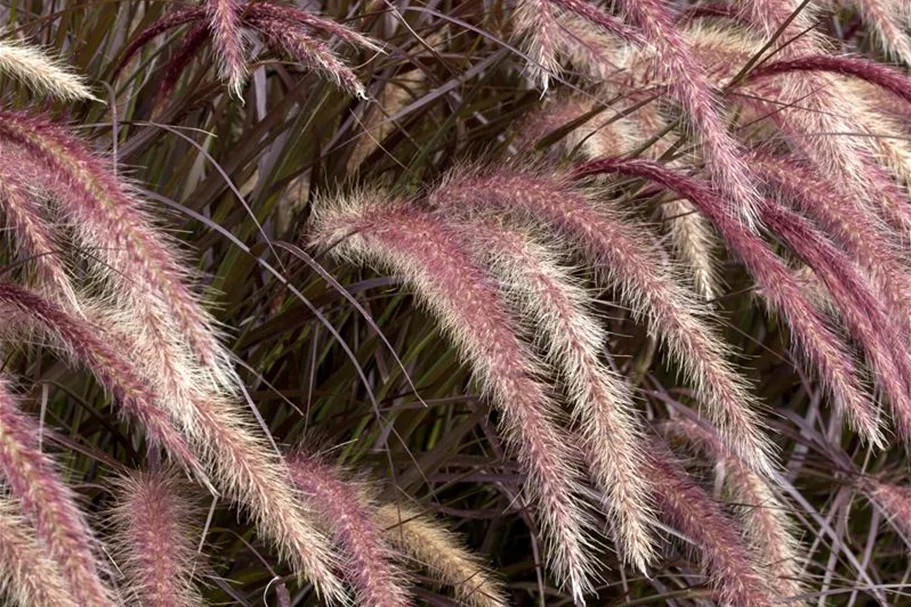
[(41, 73)]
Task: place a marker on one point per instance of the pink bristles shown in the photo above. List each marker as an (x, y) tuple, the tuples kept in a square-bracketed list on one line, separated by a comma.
[(781, 292), (89, 344), (727, 562), (625, 258), (652, 20), (28, 576), (175, 19), (369, 563), (890, 79), (464, 298), (764, 516), (155, 549), (224, 23), (542, 289), (33, 480), (872, 326), (139, 264)]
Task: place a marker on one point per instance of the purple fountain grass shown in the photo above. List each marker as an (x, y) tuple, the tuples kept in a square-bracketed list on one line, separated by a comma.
[(191, 45), (31, 233), (138, 260), (296, 17), (87, 343), (810, 106), (885, 20), (855, 229), (621, 253), (155, 549), (166, 23), (826, 121), (618, 135), (41, 73), (436, 549), (157, 315), (673, 58), (871, 325), (825, 351), (224, 23), (434, 258), (285, 28), (50, 505), (732, 572), (239, 461), (890, 79), (28, 576), (536, 23), (768, 529), (369, 563), (310, 52), (888, 198), (602, 403), (894, 500)]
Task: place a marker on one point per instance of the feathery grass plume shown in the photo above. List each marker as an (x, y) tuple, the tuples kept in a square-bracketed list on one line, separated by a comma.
[(28, 576), (284, 28), (727, 561), (310, 52), (764, 517), (166, 23), (885, 21), (830, 112), (297, 17), (857, 231), (875, 112), (894, 500), (606, 135), (890, 79), (435, 259), (602, 403), (87, 342), (224, 23), (31, 233), (673, 58), (438, 550), (41, 73), (869, 322), (260, 480), (539, 29), (155, 549), (138, 261), (369, 564), (625, 257), (50, 505), (825, 351), (159, 310), (808, 104), (240, 463), (814, 288)]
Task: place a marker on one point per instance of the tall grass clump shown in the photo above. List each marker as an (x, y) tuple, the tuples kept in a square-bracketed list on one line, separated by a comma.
[(387, 304)]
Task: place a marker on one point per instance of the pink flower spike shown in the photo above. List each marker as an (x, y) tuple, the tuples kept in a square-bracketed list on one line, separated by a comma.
[(782, 293), (627, 259), (224, 23), (434, 258), (369, 564), (51, 506), (28, 576), (156, 550), (890, 79), (727, 562)]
